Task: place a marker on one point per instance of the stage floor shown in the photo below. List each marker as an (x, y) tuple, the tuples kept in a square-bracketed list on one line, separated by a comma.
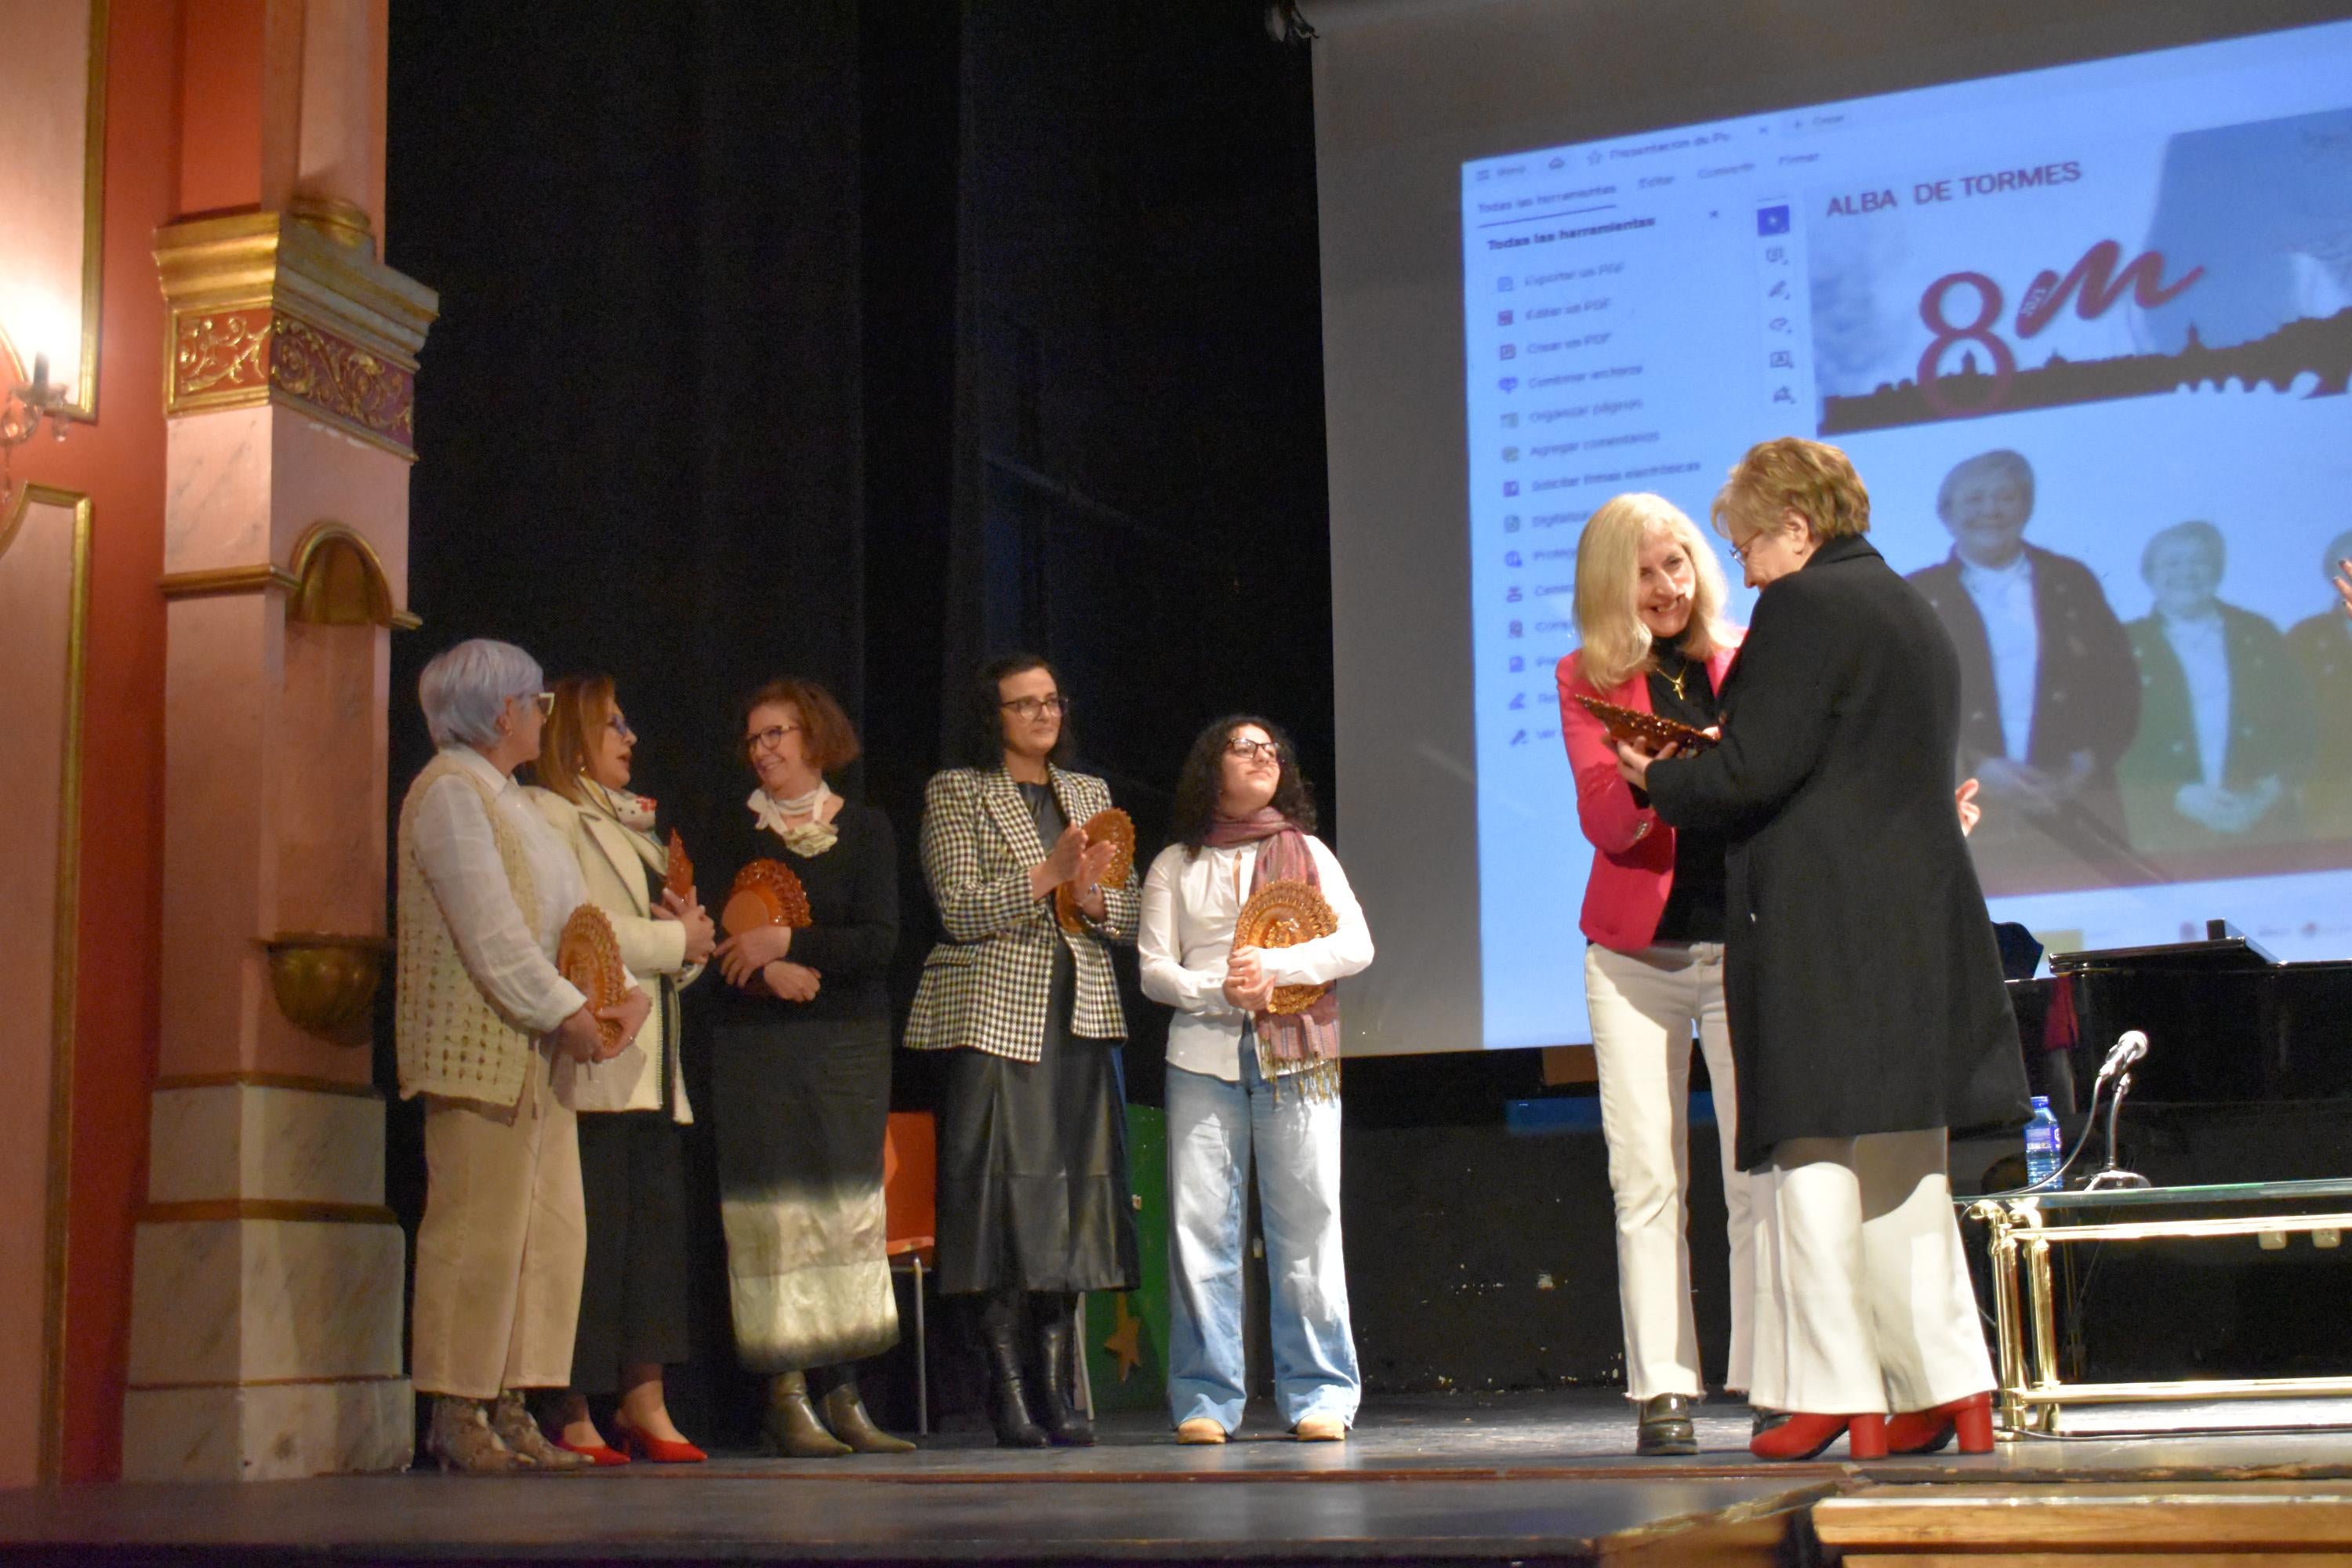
[(1522, 1478)]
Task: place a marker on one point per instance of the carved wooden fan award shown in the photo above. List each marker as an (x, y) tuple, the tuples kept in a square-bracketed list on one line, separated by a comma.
[(1115, 827), (766, 893), (1283, 914), (1632, 726), (678, 876), (589, 955)]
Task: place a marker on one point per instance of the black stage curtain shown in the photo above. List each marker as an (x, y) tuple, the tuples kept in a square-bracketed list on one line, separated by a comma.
[(862, 343)]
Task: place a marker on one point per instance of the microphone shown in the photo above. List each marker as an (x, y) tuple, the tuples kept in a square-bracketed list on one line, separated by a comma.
[(2129, 1048)]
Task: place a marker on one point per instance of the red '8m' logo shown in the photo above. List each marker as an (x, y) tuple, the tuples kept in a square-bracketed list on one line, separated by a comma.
[(2095, 284)]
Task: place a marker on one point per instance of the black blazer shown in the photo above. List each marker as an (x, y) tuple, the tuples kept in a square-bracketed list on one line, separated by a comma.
[(2087, 691), (1862, 978)]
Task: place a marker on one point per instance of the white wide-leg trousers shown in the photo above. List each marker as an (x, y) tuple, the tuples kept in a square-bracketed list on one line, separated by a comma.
[(1863, 1302)]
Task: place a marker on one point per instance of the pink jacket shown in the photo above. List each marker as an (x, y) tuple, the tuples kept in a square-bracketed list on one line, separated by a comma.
[(1632, 851)]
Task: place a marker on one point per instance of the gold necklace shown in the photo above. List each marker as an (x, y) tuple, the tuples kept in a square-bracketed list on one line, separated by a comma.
[(1677, 681)]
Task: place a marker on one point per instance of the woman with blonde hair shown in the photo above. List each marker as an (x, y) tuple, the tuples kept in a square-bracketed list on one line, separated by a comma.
[(632, 1314), (1863, 982), (1649, 619)]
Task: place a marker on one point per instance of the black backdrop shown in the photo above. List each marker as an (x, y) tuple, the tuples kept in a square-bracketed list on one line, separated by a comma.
[(862, 343)]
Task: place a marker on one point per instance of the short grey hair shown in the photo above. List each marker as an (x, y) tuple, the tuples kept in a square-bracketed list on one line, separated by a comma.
[(2199, 531), (2013, 464), (466, 688)]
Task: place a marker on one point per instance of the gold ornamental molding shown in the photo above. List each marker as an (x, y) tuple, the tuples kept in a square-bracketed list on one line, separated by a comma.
[(265, 308), (335, 579)]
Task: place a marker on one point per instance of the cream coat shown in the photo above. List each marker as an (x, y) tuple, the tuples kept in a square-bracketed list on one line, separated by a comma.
[(622, 871)]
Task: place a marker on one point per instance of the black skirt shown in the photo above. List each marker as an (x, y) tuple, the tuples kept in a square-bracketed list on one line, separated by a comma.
[(632, 1308), (802, 1108), (1034, 1192)]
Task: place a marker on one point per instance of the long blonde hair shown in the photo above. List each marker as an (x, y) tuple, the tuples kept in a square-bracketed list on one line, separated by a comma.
[(1608, 586)]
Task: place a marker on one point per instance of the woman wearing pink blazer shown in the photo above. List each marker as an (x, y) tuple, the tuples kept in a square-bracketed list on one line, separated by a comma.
[(1649, 605)]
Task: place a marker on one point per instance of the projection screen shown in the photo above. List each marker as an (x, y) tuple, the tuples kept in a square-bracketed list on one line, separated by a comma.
[(2082, 279)]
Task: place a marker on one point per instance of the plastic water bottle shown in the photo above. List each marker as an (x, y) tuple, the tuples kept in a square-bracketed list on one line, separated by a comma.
[(2044, 1144)]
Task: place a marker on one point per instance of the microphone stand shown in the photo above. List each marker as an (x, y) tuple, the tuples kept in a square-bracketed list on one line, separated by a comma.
[(2109, 1177)]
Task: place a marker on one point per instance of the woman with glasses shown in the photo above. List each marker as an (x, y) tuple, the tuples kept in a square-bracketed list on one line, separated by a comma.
[(1649, 618), (1034, 1203), (482, 1021), (1868, 1013), (1247, 1085), (800, 1072), (633, 1312)]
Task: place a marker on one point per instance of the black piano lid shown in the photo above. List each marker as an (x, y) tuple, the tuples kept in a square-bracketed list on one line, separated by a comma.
[(2225, 949)]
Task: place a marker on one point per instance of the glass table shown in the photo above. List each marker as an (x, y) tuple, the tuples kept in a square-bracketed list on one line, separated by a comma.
[(2023, 1229)]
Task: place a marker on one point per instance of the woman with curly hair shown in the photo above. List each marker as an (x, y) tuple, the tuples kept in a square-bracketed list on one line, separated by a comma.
[(1246, 1084)]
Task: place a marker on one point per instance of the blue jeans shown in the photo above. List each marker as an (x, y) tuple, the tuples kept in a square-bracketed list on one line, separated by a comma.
[(1213, 1128)]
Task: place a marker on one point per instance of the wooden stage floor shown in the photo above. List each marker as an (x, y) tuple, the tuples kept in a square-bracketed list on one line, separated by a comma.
[(1536, 1477)]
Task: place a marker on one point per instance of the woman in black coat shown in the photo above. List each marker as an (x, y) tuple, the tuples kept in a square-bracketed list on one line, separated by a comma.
[(1865, 986)]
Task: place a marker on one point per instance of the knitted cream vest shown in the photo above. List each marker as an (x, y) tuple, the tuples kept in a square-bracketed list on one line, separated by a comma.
[(451, 1040)]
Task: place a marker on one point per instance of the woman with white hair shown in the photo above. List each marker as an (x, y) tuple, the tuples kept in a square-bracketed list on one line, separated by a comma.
[(482, 1019), (1649, 618)]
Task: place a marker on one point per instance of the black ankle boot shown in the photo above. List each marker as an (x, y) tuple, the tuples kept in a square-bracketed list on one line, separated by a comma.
[(1008, 1403), (1057, 1337)]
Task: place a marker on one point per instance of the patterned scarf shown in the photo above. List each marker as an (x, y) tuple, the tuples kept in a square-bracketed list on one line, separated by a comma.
[(1300, 1045), (810, 838)]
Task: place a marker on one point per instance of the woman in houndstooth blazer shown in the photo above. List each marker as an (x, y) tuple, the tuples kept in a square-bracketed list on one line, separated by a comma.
[(1034, 1200)]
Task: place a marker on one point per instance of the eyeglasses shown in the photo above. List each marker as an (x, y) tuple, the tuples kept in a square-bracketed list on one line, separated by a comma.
[(546, 700), (769, 738), (1739, 552), (1250, 751), (620, 726), (1031, 707)]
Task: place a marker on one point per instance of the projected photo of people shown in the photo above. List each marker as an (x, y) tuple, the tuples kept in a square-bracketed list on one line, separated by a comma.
[(2322, 646), (2223, 741), (2049, 693)]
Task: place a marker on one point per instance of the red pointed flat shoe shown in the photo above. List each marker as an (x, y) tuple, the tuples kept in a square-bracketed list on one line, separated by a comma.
[(1804, 1436), (658, 1450), (599, 1452), (1925, 1431)]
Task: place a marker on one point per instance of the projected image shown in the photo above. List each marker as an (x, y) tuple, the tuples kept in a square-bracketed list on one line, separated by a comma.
[(2086, 334)]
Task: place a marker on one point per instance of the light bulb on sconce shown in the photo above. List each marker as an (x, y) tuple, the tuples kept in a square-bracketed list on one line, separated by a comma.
[(21, 416)]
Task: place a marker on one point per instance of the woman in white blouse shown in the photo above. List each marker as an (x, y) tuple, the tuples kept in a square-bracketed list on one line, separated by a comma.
[(481, 1018), (1245, 1084)]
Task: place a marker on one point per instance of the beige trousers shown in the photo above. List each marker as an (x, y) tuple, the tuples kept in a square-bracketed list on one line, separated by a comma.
[(502, 1245)]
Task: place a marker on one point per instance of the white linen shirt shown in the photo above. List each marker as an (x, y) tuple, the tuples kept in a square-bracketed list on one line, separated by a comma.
[(2004, 600), (1189, 907), (514, 965), (2202, 647)]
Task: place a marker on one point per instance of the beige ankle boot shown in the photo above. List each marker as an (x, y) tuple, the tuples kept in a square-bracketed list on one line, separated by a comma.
[(459, 1438), (845, 1413), (518, 1430), (790, 1426)]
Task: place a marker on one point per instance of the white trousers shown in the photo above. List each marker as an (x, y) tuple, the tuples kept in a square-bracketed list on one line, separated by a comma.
[(1862, 1297), (1644, 1005)]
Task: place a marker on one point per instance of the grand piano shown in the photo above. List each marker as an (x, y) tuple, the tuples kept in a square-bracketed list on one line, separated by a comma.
[(2247, 1079), (2227, 1023)]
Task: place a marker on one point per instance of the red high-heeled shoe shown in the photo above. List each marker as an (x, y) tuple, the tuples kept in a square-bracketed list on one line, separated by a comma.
[(1925, 1431), (659, 1451), (1803, 1437), (600, 1453)]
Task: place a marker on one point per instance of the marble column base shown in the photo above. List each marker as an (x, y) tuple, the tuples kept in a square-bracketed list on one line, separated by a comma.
[(265, 1293), (267, 1432)]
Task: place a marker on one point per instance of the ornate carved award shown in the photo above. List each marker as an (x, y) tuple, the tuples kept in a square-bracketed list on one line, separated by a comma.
[(1283, 914)]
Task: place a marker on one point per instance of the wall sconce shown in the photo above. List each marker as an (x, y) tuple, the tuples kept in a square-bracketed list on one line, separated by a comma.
[(20, 420)]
